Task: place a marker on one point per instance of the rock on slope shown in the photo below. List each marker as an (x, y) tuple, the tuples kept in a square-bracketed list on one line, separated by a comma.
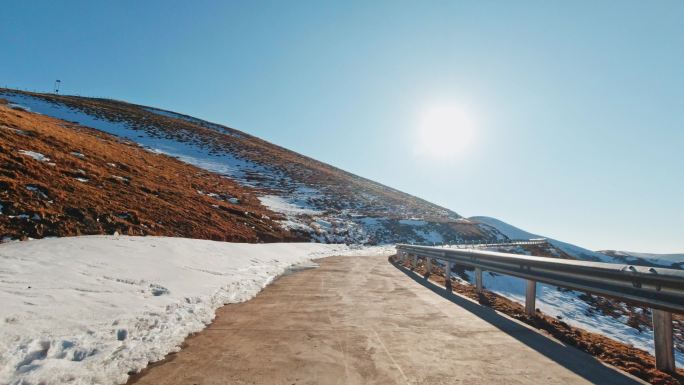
[(315, 200)]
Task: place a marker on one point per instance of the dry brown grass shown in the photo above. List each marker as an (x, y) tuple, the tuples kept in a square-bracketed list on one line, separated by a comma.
[(128, 189)]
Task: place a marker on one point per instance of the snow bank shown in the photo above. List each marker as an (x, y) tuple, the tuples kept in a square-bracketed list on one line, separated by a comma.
[(88, 310)]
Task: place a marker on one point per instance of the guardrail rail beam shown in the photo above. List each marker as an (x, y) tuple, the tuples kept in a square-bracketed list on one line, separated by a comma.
[(660, 289)]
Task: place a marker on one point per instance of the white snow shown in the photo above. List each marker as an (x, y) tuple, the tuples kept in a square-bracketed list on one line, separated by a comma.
[(658, 259), (413, 222), (422, 230), (203, 123), (510, 231), (285, 206), (88, 310), (36, 190), (35, 155), (15, 105)]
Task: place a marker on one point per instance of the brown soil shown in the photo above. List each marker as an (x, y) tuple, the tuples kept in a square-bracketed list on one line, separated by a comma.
[(630, 359), (123, 188)]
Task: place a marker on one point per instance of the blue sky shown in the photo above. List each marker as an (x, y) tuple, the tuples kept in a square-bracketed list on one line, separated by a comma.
[(575, 110)]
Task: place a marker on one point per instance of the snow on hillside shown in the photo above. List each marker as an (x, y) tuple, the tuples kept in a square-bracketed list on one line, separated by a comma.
[(325, 203), (511, 232), (572, 309), (88, 310), (188, 152), (631, 257)]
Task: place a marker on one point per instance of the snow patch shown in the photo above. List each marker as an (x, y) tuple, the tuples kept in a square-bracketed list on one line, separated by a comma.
[(283, 205), (35, 155)]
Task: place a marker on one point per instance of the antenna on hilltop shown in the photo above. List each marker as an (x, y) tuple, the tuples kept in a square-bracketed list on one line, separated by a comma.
[(57, 83)]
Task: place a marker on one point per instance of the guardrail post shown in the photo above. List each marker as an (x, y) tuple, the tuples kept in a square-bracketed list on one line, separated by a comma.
[(662, 336), (447, 275), (530, 297), (415, 261), (428, 266), (478, 279)]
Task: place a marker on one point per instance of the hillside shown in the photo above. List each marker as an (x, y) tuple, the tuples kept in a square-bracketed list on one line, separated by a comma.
[(315, 201), (62, 179)]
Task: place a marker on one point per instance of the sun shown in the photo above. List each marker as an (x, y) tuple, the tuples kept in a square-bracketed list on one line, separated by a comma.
[(444, 132)]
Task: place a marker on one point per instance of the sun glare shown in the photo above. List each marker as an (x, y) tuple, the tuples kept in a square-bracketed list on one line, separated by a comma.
[(444, 132)]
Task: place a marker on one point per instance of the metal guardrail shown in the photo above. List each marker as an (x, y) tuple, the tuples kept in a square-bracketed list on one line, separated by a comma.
[(477, 243), (660, 289)]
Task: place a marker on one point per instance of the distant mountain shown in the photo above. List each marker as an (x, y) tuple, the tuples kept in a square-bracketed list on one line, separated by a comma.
[(670, 260), (310, 199), (611, 256), (513, 232)]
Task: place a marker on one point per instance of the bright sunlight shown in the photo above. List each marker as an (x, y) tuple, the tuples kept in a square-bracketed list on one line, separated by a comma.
[(444, 132)]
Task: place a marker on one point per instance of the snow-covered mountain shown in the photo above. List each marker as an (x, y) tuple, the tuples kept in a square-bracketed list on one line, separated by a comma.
[(513, 232), (612, 256), (314, 200)]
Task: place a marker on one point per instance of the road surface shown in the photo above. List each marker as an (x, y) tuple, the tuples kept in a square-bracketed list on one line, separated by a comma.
[(361, 320)]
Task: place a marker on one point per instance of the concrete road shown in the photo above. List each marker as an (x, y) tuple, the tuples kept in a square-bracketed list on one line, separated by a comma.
[(361, 320)]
